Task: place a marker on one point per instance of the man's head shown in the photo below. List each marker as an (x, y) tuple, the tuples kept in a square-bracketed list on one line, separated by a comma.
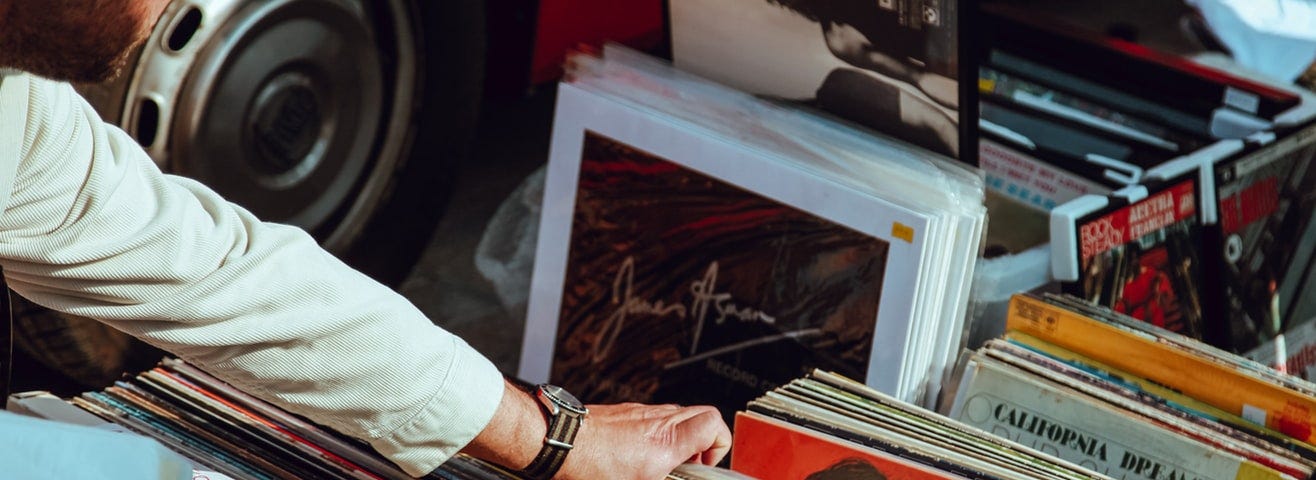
[(74, 40)]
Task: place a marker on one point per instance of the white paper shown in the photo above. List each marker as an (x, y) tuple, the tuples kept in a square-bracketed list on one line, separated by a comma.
[(1274, 37)]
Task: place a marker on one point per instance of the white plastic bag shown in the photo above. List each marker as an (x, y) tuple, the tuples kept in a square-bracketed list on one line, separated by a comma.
[(506, 253)]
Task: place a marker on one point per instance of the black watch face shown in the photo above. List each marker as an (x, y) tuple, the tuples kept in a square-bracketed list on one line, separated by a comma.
[(563, 398)]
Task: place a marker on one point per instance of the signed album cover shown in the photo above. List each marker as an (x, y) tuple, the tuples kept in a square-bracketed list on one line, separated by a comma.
[(680, 285), (677, 267)]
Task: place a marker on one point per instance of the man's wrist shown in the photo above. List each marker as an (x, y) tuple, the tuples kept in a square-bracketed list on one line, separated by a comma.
[(515, 434)]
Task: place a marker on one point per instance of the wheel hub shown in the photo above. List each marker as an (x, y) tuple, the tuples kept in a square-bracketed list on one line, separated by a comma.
[(285, 125)]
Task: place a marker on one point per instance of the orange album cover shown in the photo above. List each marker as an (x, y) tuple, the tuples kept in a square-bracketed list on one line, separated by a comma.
[(771, 449)]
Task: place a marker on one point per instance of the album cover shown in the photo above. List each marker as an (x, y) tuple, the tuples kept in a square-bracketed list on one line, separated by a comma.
[(1265, 239), (675, 266), (891, 65), (682, 285), (771, 449), (1139, 258)]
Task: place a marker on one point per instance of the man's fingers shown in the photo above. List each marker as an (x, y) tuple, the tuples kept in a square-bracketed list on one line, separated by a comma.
[(718, 450), (704, 435)]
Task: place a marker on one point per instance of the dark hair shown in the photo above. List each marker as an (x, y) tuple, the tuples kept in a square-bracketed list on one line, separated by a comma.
[(848, 469)]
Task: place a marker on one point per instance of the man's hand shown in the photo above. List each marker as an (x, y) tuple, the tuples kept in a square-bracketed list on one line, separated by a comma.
[(627, 441), (645, 441)]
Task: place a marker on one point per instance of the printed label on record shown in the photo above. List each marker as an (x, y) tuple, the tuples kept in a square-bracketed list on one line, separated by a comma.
[(1028, 180), (1142, 260), (682, 288)]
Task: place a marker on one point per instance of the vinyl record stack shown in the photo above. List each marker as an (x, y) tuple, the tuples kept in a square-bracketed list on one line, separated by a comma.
[(1133, 400), (826, 426), (224, 430)]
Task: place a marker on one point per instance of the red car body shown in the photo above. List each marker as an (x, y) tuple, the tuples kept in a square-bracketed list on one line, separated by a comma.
[(527, 40), (564, 24)]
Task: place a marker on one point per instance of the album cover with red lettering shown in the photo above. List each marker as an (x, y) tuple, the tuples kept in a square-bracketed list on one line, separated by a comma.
[(1265, 243), (1137, 252)]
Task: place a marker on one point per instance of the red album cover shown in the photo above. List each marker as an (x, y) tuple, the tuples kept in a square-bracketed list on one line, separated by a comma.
[(1142, 259), (771, 449)]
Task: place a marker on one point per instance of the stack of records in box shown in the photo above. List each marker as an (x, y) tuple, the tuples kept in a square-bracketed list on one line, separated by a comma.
[(1178, 189), (825, 426), (700, 245), (1132, 400), (221, 429)]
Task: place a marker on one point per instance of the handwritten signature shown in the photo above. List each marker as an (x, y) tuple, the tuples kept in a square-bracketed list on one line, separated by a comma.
[(705, 299)]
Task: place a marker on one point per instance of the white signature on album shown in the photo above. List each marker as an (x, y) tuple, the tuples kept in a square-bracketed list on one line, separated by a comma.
[(705, 300)]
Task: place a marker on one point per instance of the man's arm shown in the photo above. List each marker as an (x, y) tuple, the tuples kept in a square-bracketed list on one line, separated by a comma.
[(93, 228)]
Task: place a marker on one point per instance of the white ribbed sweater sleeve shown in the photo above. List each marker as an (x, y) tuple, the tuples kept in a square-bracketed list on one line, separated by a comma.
[(91, 227)]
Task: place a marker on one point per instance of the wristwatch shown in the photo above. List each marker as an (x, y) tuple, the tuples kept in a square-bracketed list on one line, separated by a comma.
[(565, 416)]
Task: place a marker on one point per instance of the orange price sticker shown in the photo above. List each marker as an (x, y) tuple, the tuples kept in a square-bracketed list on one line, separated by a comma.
[(903, 232)]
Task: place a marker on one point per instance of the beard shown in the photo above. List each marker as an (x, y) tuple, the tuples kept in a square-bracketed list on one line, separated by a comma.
[(85, 41)]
